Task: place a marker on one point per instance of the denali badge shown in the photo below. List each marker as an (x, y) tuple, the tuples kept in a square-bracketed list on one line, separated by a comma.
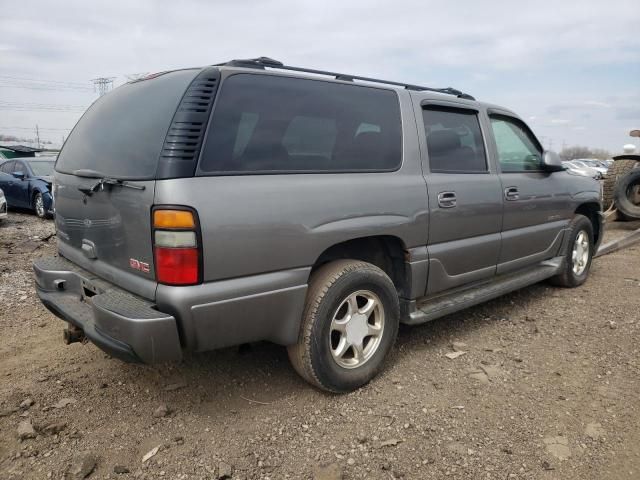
[(138, 265)]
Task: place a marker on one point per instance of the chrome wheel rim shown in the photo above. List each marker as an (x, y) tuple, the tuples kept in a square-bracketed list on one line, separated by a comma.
[(356, 329), (580, 254), (39, 206)]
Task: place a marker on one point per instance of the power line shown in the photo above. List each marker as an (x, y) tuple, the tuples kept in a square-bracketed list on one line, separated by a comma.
[(41, 128), (60, 82)]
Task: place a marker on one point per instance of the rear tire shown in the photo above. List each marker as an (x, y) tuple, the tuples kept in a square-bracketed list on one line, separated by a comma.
[(578, 254), (619, 169), (349, 325)]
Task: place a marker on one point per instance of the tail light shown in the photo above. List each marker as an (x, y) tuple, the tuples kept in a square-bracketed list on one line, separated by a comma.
[(176, 247)]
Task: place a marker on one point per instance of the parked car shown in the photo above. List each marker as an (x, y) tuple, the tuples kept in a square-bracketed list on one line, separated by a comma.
[(27, 184), (3, 205), (581, 169), (310, 209), (592, 163)]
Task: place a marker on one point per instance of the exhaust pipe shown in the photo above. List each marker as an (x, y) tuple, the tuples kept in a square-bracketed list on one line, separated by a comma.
[(73, 334)]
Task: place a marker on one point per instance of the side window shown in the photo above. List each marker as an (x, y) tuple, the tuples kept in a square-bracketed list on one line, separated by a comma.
[(7, 167), (518, 150), (454, 140), (19, 167), (268, 123), (310, 136)]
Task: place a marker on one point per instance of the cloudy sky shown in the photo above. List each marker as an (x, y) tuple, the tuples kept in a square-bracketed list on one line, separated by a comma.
[(570, 68)]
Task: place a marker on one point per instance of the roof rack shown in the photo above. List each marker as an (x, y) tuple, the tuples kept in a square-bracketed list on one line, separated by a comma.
[(266, 62)]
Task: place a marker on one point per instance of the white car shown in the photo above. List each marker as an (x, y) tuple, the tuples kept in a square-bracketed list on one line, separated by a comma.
[(584, 170), (589, 163), (3, 205)]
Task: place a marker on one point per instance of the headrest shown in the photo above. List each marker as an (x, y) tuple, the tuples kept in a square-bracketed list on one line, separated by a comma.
[(442, 141)]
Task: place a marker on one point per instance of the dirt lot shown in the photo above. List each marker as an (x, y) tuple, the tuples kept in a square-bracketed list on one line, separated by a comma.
[(548, 388)]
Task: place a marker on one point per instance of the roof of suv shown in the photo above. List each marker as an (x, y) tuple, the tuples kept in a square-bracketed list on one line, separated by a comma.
[(264, 63)]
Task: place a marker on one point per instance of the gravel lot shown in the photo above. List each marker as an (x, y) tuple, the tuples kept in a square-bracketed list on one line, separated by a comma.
[(549, 388)]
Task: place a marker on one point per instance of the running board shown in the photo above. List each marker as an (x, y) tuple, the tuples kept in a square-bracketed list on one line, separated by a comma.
[(429, 309)]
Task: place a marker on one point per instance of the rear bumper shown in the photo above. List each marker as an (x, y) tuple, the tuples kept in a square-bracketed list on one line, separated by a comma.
[(123, 325)]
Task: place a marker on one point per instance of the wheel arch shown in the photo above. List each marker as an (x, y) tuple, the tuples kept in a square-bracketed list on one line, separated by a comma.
[(387, 252), (591, 210)]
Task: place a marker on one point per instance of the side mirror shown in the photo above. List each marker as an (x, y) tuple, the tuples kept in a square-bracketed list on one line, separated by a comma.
[(19, 175), (552, 161)]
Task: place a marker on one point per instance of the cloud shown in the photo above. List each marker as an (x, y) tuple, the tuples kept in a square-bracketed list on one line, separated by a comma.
[(547, 59)]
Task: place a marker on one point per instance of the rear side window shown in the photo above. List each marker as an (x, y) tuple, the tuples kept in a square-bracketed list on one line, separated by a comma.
[(121, 135), (518, 150), (7, 167), (454, 140), (269, 124)]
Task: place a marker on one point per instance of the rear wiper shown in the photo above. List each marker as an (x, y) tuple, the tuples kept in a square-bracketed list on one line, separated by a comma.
[(104, 180)]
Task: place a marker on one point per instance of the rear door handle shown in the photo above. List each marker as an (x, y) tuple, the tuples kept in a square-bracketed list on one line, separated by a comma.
[(511, 193), (447, 199)]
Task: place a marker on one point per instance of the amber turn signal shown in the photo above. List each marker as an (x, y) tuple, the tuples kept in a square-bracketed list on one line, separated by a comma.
[(173, 219)]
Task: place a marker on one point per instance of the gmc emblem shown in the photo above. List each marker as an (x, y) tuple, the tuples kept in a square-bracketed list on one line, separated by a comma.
[(138, 265)]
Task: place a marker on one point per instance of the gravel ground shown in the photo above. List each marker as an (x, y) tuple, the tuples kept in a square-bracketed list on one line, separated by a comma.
[(548, 388)]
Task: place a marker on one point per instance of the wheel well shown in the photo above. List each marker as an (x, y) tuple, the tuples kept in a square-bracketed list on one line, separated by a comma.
[(591, 211), (385, 252)]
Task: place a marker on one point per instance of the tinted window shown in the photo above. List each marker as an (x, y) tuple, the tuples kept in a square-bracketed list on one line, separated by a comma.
[(122, 133), (265, 123), (518, 149), (454, 140), (42, 168)]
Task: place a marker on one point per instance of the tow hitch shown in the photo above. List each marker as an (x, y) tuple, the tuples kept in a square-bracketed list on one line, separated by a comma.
[(72, 334)]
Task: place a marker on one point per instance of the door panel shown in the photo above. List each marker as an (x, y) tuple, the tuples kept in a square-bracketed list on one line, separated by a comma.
[(464, 240), (465, 199), (536, 203)]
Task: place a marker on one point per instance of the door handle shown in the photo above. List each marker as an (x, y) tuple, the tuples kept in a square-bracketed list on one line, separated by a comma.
[(447, 199), (511, 193)]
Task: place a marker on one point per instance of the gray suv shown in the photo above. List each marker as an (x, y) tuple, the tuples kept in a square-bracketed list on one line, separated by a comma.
[(202, 208)]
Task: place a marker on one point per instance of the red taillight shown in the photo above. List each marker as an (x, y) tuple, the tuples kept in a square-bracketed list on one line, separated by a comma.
[(176, 246), (177, 266)]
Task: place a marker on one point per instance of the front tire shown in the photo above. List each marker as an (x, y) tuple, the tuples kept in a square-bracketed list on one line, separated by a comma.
[(38, 205), (578, 254), (349, 325)]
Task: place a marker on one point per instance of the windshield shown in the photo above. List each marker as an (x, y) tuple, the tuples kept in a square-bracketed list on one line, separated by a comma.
[(121, 135), (42, 168)]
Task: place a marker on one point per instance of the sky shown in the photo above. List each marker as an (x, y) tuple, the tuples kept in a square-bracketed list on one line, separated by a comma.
[(570, 69)]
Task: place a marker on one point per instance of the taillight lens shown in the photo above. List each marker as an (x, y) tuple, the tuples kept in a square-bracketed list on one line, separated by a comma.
[(177, 266), (176, 249)]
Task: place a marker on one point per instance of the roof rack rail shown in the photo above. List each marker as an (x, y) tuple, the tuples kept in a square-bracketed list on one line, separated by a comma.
[(266, 62)]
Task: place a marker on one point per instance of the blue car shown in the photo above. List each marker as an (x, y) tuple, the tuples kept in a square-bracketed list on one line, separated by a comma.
[(26, 183)]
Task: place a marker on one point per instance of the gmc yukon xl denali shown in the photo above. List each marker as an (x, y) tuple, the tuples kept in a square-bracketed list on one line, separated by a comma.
[(247, 201)]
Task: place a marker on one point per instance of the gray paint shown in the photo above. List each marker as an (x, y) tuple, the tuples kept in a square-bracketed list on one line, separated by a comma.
[(263, 233)]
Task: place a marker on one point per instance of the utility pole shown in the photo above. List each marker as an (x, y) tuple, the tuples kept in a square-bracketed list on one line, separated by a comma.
[(103, 84), (38, 135)]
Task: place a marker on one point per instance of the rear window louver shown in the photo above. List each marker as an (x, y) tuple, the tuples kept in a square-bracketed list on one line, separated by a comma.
[(183, 142)]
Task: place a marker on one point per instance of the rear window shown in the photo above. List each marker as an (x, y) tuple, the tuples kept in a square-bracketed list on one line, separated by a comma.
[(121, 135), (264, 123)]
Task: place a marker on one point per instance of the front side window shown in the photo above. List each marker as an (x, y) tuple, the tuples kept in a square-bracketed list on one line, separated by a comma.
[(454, 140), (269, 124), (518, 150)]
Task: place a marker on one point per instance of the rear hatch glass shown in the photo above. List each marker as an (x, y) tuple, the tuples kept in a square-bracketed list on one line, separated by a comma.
[(106, 229), (122, 133)]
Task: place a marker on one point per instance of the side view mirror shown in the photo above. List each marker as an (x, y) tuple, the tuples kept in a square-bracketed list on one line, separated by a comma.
[(552, 161), (19, 175)]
